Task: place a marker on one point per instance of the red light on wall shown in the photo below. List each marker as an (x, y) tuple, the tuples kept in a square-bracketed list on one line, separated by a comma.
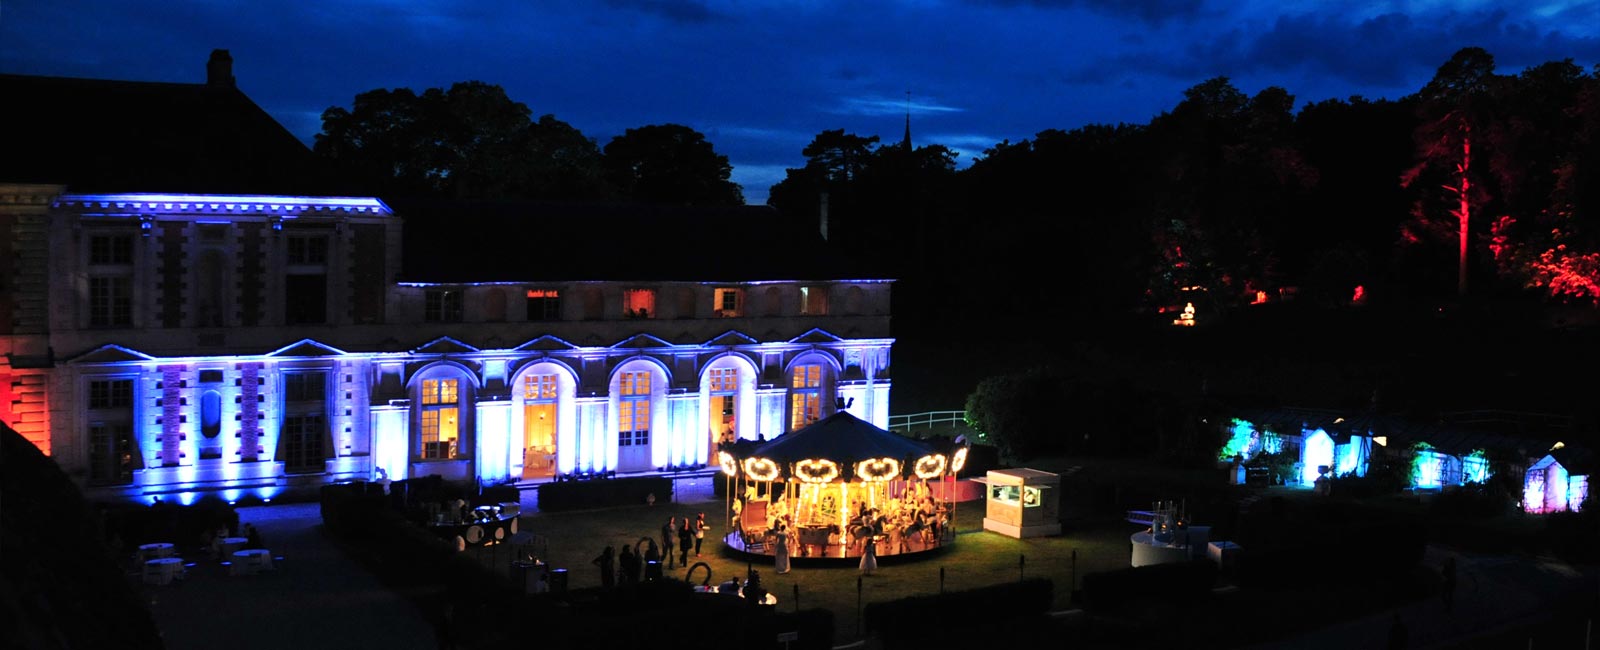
[(544, 293)]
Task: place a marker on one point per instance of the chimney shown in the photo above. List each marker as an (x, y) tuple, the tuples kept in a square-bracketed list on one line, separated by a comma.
[(219, 70), (822, 213)]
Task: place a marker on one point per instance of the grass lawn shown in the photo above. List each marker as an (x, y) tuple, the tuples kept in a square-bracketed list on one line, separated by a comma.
[(977, 559)]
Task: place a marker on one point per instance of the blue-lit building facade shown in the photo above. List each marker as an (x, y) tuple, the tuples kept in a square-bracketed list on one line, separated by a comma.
[(175, 346)]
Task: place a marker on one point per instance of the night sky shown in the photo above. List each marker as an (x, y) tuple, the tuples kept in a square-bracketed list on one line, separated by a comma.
[(761, 78)]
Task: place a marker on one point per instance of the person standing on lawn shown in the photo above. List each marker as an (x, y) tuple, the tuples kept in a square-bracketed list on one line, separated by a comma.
[(685, 541), (669, 531), (700, 527)]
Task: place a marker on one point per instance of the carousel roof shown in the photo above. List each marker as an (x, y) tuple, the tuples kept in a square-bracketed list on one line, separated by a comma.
[(842, 438)]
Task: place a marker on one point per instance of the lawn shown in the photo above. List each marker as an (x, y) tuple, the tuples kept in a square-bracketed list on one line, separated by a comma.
[(977, 559)]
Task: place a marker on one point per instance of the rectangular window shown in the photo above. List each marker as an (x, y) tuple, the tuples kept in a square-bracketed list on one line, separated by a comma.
[(438, 391), (303, 435), (110, 301), (806, 396), (439, 433), (442, 306), (305, 386), (633, 423), (307, 249), (111, 453), (730, 302), (111, 394), (725, 380), (807, 377), (111, 249), (814, 301), (305, 299), (539, 387), (639, 303), (544, 304), (635, 383)]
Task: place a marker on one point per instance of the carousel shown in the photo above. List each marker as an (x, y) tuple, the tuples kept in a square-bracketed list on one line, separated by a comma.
[(828, 490)]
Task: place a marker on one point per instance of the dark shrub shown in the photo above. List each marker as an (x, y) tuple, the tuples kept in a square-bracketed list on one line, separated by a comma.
[(917, 621), (603, 493), (1119, 590)]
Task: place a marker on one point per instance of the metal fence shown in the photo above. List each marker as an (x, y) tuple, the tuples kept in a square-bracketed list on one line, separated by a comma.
[(927, 420)]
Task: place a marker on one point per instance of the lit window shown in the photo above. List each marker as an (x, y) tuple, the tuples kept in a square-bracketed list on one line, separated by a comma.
[(805, 396), (724, 379), (730, 302), (539, 387), (633, 417), (544, 304), (814, 301), (639, 303), (440, 428), (442, 306)]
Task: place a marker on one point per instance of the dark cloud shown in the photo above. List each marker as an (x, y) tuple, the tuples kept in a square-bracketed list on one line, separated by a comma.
[(1155, 12), (1386, 51), (681, 11)]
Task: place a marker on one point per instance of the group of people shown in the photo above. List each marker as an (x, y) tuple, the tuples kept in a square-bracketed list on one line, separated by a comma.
[(677, 541)]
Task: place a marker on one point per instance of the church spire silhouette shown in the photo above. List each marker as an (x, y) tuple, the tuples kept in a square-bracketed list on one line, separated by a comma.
[(907, 142)]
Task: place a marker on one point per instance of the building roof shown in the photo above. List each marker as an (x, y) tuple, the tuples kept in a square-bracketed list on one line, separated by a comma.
[(462, 241), (96, 135), (1450, 438)]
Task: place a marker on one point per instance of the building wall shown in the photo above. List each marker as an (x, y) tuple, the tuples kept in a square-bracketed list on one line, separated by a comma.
[(211, 331)]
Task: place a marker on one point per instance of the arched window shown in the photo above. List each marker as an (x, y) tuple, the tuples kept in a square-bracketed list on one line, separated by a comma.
[(638, 391), (442, 399), (811, 384)]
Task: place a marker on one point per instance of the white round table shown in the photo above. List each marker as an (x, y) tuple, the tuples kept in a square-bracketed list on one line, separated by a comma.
[(250, 561), (161, 570), (231, 544), (156, 550)]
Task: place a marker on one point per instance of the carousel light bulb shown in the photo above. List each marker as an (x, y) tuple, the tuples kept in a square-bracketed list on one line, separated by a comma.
[(761, 469), (930, 467), (877, 469), (729, 465), (816, 470), (959, 460)]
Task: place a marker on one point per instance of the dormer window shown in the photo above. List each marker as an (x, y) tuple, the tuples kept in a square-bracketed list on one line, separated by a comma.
[(814, 301), (442, 306), (544, 304), (639, 303), (730, 302)]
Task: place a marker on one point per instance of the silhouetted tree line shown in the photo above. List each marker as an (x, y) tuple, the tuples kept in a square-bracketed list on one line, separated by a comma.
[(1230, 199), (472, 141)]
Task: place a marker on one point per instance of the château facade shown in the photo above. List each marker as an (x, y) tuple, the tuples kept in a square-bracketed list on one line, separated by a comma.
[(170, 345)]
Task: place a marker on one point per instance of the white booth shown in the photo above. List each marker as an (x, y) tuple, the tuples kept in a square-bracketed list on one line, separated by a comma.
[(1023, 503)]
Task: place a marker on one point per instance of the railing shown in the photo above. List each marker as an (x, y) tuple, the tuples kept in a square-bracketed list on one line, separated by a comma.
[(929, 419)]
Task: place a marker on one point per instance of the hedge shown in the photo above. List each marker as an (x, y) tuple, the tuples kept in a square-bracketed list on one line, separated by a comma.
[(1116, 591), (918, 621), (603, 493)]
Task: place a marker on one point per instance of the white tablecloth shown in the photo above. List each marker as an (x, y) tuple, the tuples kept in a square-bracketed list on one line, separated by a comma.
[(161, 571), (156, 550), (231, 544), (251, 561)]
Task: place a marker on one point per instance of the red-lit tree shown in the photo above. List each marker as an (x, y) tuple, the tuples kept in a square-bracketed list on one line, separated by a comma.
[(1456, 112)]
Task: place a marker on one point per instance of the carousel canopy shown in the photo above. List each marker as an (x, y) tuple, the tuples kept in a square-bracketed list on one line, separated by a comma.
[(844, 439)]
